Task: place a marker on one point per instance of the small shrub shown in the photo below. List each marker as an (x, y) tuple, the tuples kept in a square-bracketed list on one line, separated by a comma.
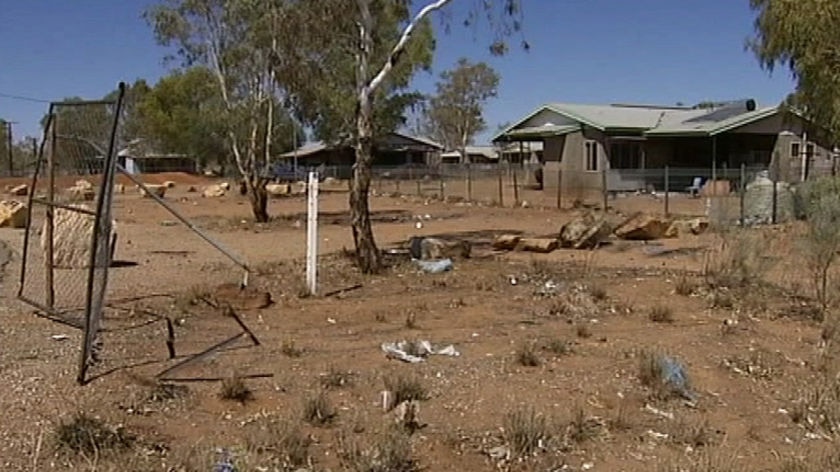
[(234, 389), (318, 410), (336, 378), (583, 428), (739, 261), (694, 434), (411, 320), (282, 440), (526, 432), (819, 407), (289, 349), (598, 292), (684, 286), (622, 420), (722, 299), (661, 314), (405, 389), (526, 355), (392, 453), (651, 375), (84, 434), (583, 331), (559, 347)]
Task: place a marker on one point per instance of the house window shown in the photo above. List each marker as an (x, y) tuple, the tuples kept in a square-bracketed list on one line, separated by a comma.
[(591, 156), (626, 155), (809, 150), (795, 150)]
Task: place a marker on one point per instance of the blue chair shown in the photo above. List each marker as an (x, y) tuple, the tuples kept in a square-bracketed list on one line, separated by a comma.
[(695, 188)]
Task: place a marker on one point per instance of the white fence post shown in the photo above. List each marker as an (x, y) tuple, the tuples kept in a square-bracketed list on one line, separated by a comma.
[(312, 234)]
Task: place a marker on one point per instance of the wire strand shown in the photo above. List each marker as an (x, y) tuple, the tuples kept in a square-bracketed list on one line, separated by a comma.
[(23, 98)]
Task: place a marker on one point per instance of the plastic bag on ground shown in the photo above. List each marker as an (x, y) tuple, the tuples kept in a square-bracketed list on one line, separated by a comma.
[(435, 267), (414, 352)]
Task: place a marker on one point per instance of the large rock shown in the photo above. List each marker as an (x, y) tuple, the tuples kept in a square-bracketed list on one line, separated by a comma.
[(214, 191), (169, 184), (19, 190), (81, 193), (119, 188), (12, 214), (277, 190), (684, 227), (298, 188), (83, 184), (642, 227), (541, 245), (157, 190), (435, 248), (506, 242), (72, 238), (584, 232)]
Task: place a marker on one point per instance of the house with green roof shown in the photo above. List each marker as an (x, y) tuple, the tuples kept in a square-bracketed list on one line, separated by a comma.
[(628, 146)]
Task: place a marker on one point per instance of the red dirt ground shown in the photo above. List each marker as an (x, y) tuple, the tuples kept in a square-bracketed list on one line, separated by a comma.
[(748, 376)]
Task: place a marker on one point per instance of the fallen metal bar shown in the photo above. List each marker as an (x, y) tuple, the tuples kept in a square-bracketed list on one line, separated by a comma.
[(343, 290), (217, 379), (46, 313), (230, 255), (200, 355), (244, 327), (65, 206)]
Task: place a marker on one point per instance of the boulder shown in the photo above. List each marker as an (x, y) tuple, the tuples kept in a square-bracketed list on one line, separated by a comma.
[(277, 190), (119, 188), (169, 184), (81, 193), (584, 232), (435, 248), (12, 214), (506, 242), (83, 184), (224, 186), (19, 190), (692, 226), (541, 245), (642, 227), (331, 181), (214, 191), (72, 238), (157, 190), (298, 188)]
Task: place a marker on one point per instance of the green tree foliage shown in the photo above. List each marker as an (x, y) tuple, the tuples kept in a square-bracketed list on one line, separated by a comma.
[(456, 111), (319, 68), (804, 37), (237, 41)]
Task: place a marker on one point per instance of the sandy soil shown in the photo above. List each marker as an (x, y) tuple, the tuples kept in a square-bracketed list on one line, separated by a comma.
[(751, 353)]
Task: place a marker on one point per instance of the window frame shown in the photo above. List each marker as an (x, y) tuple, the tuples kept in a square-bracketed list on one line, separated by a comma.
[(590, 156), (798, 146)]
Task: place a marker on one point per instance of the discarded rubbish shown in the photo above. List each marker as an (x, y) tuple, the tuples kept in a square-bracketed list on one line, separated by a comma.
[(499, 453), (59, 337), (435, 267), (416, 351), (674, 375), (658, 412)]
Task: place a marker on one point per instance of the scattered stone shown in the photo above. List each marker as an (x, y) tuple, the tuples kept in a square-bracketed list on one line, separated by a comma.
[(541, 245), (330, 181), (434, 248), (72, 237), (214, 191), (298, 188), (84, 193), (224, 186), (642, 227), (157, 190), (19, 190), (12, 214), (506, 242), (692, 226), (119, 188), (584, 232), (192, 189), (277, 190), (169, 184), (83, 184)]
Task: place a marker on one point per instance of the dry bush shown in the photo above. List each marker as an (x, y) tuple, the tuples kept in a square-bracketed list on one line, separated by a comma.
[(279, 442), (583, 428), (704, 461), (574, 305), (411, 320), (391, 453), (86, 435), (192, 297), (813, 463), (318, 411), (661, 314), (821, 244), (685, 286), (651, 373), (691, 433), (404, 388), (527, 356), (336, 378), (598, 292), (233, 388), (289, 349), (526, 431), (559, 347), (722, 298), (622, 420), (739, 261), (819, 408), (583, 331)]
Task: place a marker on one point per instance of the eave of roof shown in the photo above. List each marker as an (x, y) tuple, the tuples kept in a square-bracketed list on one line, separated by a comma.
[(542, 131)]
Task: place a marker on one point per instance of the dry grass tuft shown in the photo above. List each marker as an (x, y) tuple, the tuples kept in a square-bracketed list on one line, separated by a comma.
[(583, 331), (559, 347), (289, 349), (233, 388), (661, 314), (392, 453), (526, 432), (684, 286), (694, 434), (583, 428), (405, 389), (281, 441), (598, 292), (411, 320), (527, 356), (87, 435), (318, 411), (336, 378)]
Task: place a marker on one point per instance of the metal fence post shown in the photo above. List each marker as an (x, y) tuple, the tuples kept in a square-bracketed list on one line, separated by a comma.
[(442, 187), (501, 186), (743, 192), (559, 188), (515, 188), (604, 190), (775, 188), (667, 192), (469, 182)]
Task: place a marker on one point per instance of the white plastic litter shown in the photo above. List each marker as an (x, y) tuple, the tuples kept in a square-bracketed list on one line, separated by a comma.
[(419, 351)]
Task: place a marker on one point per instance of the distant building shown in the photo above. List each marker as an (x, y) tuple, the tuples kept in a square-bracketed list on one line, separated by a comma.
[(394, 149)]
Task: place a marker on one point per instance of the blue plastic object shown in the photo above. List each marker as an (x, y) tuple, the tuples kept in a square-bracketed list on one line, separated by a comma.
[(435, 267), (674, 375)]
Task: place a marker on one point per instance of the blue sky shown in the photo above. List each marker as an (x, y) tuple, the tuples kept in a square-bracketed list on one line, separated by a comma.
[(582, 51)]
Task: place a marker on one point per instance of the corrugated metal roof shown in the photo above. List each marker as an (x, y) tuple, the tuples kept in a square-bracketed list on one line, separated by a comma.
[(542, 131)]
